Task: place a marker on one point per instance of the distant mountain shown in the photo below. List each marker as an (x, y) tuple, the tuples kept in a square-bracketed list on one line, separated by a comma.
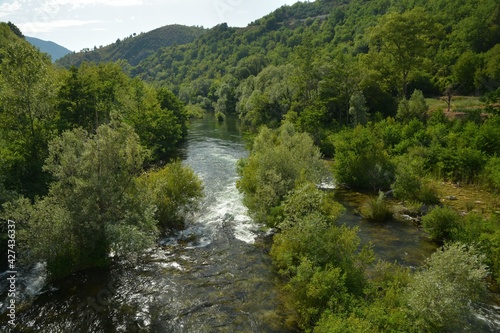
[(135, 48), (56, 51)]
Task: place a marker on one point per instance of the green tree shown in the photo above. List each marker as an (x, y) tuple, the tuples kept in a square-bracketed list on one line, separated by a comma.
[(226, 95), (97, 207), (358, 109), (266, 98), (90, 94), (322, 261), (442, 224), (15, 30), (27, 118), (169, 101), (158, 117), (278, 160), (414, 108), (403, 41), (361, 160), (491, 174), (410, 183), (175, 190), (439, 298)]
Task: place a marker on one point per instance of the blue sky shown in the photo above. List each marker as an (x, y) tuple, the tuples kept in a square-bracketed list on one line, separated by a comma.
[(77, 24)]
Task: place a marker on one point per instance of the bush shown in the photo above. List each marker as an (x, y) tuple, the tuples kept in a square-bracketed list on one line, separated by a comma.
[(491, 174), (94, 206), (361, 160), (220, 116), (409, 184), (332, 323), (439, 298), (442, 223), (428, 194), (414, 108), (175, 190), (279, 159)]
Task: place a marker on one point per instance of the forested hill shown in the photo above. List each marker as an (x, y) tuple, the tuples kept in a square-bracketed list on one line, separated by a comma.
[(442, 44), (135, 48)]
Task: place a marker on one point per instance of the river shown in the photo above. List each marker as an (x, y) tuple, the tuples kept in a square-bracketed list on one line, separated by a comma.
[(210, 277)]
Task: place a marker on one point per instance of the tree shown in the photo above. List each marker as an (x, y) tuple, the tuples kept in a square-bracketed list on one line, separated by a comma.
[(357, 108), (90, 94), (442, 224), (439, 298), (97, 208), (175, 190), (361, 160), (410, 183), (15, 30), (226, 95), (278, 160), (414, 108), (321, 260), (27, 91), (158, 117), (266, 98), (403, 41), (168, 101)]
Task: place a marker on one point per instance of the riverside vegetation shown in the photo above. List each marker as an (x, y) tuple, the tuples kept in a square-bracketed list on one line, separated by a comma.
[(343, 80), (84, 160)]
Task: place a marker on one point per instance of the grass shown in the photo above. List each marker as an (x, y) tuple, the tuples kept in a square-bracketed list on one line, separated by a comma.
[(457, 103), (470, 198), (377, 209)]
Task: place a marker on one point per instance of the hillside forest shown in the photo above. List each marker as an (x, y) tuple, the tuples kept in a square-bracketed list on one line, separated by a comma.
[(389, 98)]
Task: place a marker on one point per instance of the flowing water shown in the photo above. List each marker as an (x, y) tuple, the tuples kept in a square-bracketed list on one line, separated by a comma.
[(210, 277)]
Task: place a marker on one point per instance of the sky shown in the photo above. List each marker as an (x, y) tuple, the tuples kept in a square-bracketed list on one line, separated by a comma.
[(78, 24)]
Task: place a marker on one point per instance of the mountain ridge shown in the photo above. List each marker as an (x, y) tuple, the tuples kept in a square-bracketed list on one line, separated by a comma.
[(55, 50), (135, 48)]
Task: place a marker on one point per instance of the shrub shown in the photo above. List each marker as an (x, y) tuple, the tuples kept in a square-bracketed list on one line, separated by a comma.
[(491, 174), (439, 298), (279, 159), (442, 223), (409, 184), (174, 190), (361, 160), (414, 108)]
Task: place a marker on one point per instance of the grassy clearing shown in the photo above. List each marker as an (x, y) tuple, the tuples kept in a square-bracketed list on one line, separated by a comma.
[(457, 103), (468, 198)]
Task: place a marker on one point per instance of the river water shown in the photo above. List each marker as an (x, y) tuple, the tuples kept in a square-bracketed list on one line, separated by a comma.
[(210, 277)]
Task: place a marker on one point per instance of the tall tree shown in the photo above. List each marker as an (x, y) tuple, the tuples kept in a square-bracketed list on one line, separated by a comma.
[(95, 203), (403, 40), (27, 91), (357, 108)]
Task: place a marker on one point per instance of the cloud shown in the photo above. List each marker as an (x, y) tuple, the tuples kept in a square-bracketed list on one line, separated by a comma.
[(55, 7), (49, 26), (9, 8), (83, 3)]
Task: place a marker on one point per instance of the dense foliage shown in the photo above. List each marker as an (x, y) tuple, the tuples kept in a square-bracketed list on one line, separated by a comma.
[(346, 80), (332, 284), (279, 160), (75, 146), (333, 49)]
